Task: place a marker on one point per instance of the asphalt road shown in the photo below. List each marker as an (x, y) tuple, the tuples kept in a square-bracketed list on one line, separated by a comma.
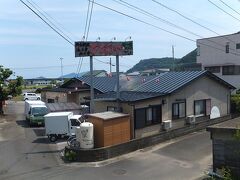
[(25, 153)]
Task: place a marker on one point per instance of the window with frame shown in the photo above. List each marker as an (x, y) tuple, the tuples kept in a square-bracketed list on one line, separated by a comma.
[(198, 50), (202, 107), (111, 108), (178, 110), (147, 116), (213, 69), (227, 47), (231, 70), (75, 122), (238, 46)]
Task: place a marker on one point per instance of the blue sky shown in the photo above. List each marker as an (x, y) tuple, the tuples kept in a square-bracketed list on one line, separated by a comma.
[(26, 42)]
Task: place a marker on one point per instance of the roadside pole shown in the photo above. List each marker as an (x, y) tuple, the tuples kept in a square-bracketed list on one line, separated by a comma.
[(91, 86), (118, 85)]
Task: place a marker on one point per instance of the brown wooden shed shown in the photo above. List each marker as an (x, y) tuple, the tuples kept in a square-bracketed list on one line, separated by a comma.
[(110, 128)]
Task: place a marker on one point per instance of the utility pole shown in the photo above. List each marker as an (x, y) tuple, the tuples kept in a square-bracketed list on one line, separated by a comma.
[(91, 86), (173, 66), (61, 68), (110, 63), (118, 85)]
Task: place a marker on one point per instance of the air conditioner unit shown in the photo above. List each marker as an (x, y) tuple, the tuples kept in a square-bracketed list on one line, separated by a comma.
[(167, 124), (191, 119)]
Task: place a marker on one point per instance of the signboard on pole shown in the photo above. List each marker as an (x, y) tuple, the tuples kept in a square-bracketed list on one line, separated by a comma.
[(89, 48)]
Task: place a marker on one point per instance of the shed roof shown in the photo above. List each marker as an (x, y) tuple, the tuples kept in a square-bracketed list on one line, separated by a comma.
[(108, 115), (54, 107)]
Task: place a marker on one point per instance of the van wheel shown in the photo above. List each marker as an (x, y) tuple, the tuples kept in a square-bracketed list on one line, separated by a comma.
[(38, 98), (26, 99), (53, 138)]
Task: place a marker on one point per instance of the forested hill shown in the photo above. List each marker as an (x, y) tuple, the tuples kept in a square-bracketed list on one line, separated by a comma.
[(183, 63)]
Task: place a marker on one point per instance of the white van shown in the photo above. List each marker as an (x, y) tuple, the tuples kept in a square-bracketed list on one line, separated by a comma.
[(31, 96)]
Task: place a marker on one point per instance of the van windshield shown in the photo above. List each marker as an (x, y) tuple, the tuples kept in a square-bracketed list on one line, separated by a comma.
[(39, 111)]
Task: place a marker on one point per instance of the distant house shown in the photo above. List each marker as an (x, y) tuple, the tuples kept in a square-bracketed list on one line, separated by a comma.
[(96, 73), (220, 55), (78, 89), (175, 96), (41, 81), (151, 72)]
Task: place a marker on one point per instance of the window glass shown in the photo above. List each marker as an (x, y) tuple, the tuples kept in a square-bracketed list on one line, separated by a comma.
[(213, 69), (111, 108), (74, 122), (149, 116), (179, 110), (231, 70), (140, 115), (182, 110), (238, 46), (39, 111), (227, 48), (200, 107), (156, 114), (175, 110), (198, 50)]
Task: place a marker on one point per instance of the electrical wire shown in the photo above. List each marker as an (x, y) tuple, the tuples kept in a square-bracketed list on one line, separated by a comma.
[(189, 19), (48, 17), (142, 11), (47, 23), (230, 7), (84, 36), (159, 28), (224, 10)]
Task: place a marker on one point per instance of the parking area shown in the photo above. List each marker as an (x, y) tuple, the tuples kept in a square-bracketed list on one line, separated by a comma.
[(26, 153)]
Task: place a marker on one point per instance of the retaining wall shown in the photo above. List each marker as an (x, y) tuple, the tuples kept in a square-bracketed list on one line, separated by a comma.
[(100, 154)]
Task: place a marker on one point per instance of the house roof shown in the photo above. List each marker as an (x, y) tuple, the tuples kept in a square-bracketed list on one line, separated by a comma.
[(102, 84), (95, 72), (169, 82), (108, 84), (127, 96)]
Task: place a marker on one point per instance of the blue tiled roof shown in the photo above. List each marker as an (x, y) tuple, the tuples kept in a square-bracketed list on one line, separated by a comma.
[(127, 96), (169, 82), (107, 84), (102, 84)]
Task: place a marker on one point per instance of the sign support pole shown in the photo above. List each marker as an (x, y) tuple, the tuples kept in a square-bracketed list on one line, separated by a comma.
[(91, 86), (118, 85)]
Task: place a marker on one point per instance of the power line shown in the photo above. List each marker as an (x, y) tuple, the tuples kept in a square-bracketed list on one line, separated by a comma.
[(47, 23), (224, 10), (142, 11), (230, 7), (90, 19), (46, 15), (159, 28), (189, 19), (42, 67), (86, 32)]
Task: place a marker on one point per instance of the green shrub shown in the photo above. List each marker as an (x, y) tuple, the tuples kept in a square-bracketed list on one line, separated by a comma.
[(235, 100), (70, 155)]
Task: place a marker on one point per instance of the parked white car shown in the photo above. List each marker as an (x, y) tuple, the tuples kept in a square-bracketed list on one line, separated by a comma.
[(31, 96)]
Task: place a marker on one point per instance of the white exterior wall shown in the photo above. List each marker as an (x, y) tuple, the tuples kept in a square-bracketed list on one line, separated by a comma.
[(217, 55)]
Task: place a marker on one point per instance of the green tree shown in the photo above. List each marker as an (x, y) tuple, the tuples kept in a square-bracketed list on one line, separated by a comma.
[(13, 87)]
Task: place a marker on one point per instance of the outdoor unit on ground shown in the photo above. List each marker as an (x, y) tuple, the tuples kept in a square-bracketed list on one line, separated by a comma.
[(191, 119), (167, 124)]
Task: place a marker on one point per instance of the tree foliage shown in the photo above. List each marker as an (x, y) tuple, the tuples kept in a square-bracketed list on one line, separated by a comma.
[(178, 64), (13, 87)]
